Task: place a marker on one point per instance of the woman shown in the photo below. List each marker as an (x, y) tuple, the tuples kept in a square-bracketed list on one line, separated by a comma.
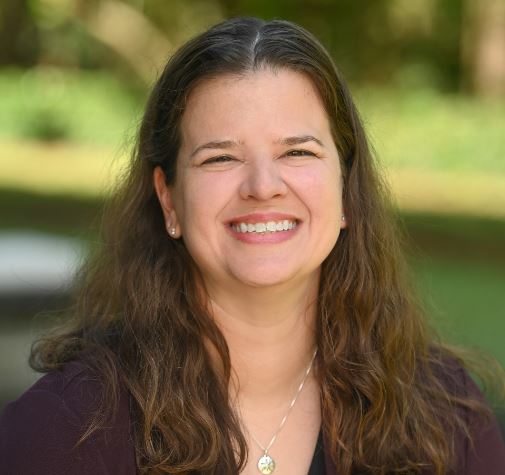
[(248, 311)]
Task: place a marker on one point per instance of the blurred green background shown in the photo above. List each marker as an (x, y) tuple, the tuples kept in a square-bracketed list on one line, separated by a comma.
[(428, 77)]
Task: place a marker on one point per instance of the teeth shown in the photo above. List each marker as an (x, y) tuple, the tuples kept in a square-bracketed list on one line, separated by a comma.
[(260, 227), (270, 226)]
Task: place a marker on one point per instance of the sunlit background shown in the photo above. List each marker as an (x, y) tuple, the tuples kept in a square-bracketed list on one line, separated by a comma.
[(429, 79)]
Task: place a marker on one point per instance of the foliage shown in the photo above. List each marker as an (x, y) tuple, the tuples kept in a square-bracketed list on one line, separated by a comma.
[(50, 104), (373, 41), (414, 128), (427, 130), (44, 124)]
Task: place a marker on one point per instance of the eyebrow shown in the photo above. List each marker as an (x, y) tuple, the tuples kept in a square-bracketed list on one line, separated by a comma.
[(216, 144), (299, 139), (220, 144)]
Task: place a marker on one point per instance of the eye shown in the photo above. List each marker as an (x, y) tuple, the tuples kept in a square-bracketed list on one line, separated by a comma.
[(300, 153), (219, 159)]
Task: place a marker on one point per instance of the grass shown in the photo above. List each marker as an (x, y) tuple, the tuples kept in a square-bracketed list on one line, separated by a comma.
[(63, 214), (465, 299), (87, 169), (60, 167)]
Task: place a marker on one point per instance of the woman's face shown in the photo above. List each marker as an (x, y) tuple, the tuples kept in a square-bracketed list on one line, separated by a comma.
[(258, 192)]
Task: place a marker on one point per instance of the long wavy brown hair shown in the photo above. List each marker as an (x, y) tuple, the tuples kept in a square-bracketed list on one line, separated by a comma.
[(389, 396)]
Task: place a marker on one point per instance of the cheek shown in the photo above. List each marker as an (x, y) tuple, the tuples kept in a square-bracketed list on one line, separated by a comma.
[(199, 209), (320, 189), (194, 199)]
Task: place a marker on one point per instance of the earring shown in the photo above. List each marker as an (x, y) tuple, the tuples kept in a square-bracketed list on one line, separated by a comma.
[(172, 232), (343, 218)]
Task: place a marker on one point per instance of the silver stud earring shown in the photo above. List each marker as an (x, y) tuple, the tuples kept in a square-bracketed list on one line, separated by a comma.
[(172, 231), (343, 218)]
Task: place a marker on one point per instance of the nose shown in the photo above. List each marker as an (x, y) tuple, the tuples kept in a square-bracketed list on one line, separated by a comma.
[(262, 181)]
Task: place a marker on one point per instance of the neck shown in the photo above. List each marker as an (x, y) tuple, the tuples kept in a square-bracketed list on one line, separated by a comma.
[(271, 337)]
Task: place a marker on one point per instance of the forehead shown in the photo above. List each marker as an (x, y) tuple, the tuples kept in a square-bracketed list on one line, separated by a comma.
[(279, 101)]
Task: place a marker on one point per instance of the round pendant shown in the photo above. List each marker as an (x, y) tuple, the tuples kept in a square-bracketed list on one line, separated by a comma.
[(266, 464)]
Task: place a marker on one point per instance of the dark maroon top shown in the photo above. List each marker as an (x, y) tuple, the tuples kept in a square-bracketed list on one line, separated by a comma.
[(38, 432)]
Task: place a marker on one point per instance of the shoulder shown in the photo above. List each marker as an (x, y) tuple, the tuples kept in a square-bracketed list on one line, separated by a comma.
[(482, 450), (40, 430)]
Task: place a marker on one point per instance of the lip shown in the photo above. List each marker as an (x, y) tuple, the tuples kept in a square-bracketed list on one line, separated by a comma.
[(254, 218), (267, 237)]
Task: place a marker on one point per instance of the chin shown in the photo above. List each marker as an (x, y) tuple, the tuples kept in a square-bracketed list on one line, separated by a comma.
[(267, 278), (262, 283)]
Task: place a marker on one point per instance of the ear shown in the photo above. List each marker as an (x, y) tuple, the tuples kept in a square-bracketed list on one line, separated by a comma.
[(343, 221), (164, 193)]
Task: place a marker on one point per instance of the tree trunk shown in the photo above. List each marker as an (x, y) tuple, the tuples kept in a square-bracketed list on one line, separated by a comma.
[(483, 47), (18, 34), (130, 34)]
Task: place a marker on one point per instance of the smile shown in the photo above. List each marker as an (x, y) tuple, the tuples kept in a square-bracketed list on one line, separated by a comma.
[(268, 227)]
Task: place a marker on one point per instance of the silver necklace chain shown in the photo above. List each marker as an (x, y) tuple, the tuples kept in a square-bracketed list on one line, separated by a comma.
[(285, 418)]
